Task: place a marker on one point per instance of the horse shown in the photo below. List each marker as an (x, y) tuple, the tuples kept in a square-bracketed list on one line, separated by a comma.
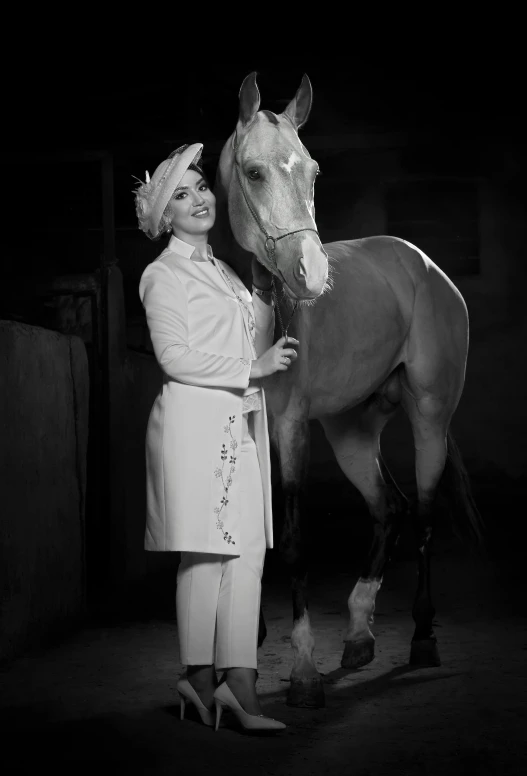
[(381, 328)]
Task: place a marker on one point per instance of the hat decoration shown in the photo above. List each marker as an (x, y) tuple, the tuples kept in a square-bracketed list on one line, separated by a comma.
[(154, 193), (142, 201)]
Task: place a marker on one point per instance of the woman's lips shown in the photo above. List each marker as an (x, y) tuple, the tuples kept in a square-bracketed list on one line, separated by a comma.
[(203, 213)]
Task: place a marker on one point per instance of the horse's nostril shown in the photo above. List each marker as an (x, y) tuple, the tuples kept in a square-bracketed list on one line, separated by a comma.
[(300, 271)]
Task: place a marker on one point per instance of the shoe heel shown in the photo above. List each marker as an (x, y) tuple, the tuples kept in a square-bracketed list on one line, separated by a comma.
[(181, 706), (219, 710)]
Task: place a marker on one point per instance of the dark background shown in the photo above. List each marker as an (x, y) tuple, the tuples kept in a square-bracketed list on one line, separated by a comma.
[(430, 148), (424, 141), (459, 116), (409, 143)]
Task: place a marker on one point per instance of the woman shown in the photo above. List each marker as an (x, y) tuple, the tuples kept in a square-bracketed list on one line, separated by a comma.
[(207, 445)]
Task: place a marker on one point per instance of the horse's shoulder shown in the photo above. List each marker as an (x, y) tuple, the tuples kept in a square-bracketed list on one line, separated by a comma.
[(379, 262)]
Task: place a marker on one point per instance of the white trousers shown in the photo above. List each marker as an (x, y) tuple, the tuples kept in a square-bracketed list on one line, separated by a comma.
[(218, 596)]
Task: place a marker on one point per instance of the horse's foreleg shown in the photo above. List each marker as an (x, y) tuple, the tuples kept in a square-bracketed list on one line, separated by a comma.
[(355, 441), (291, 437), (306, 688), (387, 507)]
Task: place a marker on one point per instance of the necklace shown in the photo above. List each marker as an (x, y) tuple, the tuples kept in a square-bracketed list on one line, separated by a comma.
[(240, 301)]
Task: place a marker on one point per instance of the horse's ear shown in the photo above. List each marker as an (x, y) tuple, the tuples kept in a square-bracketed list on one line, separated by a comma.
[(249, 99), (298, 109)]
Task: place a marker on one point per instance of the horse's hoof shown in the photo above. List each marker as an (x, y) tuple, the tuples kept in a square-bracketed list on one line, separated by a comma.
[(358, 653), (424, 653), (306, 693)]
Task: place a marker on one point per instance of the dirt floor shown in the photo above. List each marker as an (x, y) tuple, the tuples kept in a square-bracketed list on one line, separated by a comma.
[(105, 699)]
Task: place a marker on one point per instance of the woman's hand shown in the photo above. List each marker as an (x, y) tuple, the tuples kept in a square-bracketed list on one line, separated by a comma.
[(277, 359), (261, 277)]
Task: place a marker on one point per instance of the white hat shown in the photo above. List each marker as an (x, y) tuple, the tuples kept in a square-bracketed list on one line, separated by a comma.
[(152, 197)]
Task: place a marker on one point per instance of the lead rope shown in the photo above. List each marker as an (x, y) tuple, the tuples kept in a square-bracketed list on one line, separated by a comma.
[(277, 307), (270, 241)]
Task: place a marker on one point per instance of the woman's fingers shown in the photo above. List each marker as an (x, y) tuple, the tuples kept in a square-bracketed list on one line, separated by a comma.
[(287, 358), (285, 341)]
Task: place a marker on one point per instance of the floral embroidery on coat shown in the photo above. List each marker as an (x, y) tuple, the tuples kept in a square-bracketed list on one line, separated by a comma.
[(226, 481)]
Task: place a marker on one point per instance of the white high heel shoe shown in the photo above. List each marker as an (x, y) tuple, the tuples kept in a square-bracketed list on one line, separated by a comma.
[(188, 693), (223, 697)]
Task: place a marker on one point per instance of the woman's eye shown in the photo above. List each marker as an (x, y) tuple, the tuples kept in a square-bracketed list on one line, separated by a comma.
[(203, 187), (253, 175), (180, 195)]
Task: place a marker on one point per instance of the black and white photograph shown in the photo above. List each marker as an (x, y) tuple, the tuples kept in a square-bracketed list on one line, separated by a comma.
[(263, 349)]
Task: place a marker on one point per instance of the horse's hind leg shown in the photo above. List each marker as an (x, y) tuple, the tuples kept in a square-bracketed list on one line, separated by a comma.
[(290, 436), (430, 418), (354, 438), (432, 383), (429, 406)]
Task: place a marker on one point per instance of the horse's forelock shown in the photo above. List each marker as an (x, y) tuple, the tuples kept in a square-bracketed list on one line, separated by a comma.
[(273, 118), (270, 124)]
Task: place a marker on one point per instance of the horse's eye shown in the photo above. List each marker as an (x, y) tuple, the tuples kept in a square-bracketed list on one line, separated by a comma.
[(253, 175)]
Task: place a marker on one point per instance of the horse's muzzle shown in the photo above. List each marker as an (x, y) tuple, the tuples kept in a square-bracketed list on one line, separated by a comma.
[(309, 272)]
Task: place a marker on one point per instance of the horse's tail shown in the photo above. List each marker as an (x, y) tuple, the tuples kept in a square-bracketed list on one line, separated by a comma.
[(455, 488)]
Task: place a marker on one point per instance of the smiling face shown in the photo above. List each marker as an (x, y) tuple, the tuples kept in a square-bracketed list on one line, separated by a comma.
[(192, 208)]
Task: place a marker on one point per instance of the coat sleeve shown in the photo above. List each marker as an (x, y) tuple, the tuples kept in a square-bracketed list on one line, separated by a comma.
[(264, 318), (165, 301)]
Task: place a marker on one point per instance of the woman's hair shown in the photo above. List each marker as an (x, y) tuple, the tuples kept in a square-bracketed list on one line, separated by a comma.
[(165, 221)]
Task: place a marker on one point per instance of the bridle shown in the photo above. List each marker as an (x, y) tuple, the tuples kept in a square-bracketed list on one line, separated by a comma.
[(270, 241)]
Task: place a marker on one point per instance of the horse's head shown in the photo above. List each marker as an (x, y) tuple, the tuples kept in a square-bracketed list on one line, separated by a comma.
[(268, 176)]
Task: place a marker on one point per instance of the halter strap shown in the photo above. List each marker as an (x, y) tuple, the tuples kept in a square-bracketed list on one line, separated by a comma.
[(270, 241)]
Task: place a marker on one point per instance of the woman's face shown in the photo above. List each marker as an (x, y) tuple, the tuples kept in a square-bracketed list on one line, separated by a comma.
[(192, 206)]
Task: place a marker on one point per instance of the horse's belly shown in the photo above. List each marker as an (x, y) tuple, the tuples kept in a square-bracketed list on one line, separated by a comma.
[(336, 387)]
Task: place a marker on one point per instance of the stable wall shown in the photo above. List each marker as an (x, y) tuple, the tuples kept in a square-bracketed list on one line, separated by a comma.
[(44, 390), (150, 576)]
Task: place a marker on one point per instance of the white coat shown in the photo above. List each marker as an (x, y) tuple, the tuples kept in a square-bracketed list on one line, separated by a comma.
[(204, 339)]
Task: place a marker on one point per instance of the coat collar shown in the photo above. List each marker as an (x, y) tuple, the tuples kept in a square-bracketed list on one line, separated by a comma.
[(182, 248)]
